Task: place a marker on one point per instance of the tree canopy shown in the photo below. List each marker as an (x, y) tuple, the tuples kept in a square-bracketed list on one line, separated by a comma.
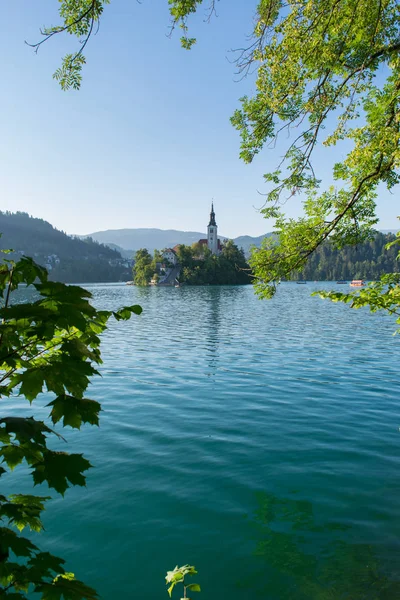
[(328, 71), (144, 268), (197, 266)]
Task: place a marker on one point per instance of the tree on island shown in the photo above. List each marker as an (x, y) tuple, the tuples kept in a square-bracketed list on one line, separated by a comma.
[(198, 266), (143, 269), (322, 65)]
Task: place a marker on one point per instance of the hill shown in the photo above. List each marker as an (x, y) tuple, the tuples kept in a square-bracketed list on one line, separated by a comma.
[(247, 241), (68, 259), (152, 239)]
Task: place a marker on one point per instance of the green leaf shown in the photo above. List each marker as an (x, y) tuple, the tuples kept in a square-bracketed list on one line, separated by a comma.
[(9, 540), (125, 313), (45, 564), (65, 586), (31, 383), (136, 309), (27, 429), (59, 468), (193, 587), (63, 293), (23, 511), (12, 455), (5, 437), (74, 411)]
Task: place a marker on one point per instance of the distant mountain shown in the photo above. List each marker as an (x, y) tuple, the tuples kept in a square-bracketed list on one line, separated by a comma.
[(68, 259), (128, 254), (246, 241), (133, 239)]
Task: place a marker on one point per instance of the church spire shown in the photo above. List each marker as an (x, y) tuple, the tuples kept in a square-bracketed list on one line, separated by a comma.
[(212, 216), (212, 233)]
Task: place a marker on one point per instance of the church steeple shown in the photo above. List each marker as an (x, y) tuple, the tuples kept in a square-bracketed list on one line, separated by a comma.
[(212, 233), (212, 216)]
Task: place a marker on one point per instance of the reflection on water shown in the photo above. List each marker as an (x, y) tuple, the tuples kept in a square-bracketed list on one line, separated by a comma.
[(303, 558), (213, 330)]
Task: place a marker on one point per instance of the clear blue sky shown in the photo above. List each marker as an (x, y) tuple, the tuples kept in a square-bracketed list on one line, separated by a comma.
[(147, 141)]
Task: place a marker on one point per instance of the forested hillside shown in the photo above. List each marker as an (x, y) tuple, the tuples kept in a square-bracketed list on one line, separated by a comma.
[(68, 259), (369, 260)]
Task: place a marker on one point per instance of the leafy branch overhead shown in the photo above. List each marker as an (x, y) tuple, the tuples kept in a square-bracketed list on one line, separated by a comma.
[(49, 345), (81, 18), (328, 72)]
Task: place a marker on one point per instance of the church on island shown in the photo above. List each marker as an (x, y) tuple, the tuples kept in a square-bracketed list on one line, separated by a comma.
[(198, 264), (170, 274), (212, 242)]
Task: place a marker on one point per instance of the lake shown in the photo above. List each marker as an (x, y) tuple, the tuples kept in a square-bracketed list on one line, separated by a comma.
[(257, 440)]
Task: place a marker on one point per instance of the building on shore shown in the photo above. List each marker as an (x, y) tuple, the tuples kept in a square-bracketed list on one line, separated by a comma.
[(169, 254)]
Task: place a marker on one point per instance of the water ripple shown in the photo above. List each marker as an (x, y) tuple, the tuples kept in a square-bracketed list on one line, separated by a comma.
[(211, 396)]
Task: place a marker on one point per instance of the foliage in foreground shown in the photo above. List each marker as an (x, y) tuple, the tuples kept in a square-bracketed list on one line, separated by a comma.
[(178, 576), (48, 345)]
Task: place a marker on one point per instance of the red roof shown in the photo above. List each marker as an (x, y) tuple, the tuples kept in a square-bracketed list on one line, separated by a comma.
[(204, 242)]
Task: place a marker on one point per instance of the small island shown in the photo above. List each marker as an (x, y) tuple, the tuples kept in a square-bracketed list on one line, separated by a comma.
[(206, 262)]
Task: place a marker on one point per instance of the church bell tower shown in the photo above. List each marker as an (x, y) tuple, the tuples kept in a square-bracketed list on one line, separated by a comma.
[(212, 232)]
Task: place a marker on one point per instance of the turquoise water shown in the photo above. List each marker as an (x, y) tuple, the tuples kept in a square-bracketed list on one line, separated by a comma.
[(216, 406)]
